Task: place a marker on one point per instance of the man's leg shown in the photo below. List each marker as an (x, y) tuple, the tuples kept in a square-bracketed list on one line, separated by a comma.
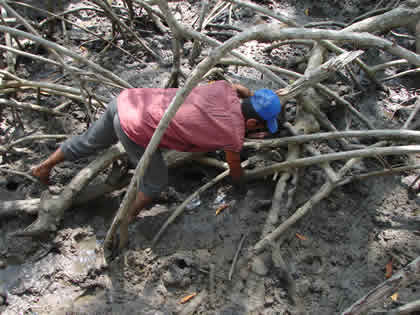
[(99, 136), (43, 170), (155, 178)]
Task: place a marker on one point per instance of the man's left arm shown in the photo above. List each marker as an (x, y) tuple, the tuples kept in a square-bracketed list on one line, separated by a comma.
[(242, 91)]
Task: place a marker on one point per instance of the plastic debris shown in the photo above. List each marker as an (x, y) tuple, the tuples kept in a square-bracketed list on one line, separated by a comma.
[(187, 298), (194, 203)]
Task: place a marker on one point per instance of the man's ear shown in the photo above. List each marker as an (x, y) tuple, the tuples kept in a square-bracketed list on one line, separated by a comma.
[(251, 123)]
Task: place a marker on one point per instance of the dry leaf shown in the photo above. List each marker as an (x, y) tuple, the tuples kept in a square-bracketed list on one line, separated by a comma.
[(187, 298), (301, 237), (388, 269), (394, 297), (222, 207)]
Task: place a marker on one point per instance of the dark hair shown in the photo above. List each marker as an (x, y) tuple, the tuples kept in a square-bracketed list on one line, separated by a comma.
[(249, 112)]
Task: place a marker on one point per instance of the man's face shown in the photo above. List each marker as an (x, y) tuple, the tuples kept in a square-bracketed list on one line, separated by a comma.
[(256, 129)]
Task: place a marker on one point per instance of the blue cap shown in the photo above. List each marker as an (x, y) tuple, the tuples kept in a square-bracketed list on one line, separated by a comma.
[(267, 105)]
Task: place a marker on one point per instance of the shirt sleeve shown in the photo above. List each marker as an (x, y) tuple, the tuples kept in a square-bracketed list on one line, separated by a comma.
[(234, 161)]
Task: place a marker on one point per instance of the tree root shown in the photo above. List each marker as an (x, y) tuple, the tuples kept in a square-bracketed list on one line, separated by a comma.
[(403, 135), (323, 192)]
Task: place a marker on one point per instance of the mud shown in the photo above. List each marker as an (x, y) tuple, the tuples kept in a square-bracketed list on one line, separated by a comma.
[(344, 245)]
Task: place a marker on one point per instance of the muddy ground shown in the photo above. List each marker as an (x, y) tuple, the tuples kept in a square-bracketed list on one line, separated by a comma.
[(345, 242)]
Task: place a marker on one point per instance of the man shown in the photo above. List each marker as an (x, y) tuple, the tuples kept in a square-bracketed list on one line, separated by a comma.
[(212, 117)]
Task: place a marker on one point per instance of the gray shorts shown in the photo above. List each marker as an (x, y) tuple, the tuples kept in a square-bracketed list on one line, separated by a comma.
[(107, 131)]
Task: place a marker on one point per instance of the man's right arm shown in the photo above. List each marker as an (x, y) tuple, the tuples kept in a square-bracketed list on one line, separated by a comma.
[(235, 169)]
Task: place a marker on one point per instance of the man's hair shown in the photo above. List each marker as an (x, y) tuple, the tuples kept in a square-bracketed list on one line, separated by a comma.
[(249, 112)]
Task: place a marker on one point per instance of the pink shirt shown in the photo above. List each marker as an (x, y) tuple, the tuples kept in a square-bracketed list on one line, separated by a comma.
[(209, 119)]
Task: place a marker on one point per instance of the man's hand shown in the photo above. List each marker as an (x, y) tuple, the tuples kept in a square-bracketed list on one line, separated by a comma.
[(239, 186)]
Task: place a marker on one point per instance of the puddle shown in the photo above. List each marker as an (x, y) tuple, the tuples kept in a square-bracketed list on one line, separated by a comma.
[(90, 297), (86, 257), (9, 274)]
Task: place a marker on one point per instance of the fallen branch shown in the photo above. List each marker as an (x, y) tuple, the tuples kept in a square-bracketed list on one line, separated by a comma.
[(401, 279), (52, 210), (8, 170), (91, 191), (31, 206)]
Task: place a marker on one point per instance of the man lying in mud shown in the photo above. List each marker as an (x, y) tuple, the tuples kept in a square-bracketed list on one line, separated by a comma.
[(213, 117)]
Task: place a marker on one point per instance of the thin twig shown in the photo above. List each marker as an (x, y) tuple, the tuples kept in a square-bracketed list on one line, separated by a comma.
[(413, 114), (401, 74), (407, 36), (8, 170), (235, 258), (212, 285), (368, 15)]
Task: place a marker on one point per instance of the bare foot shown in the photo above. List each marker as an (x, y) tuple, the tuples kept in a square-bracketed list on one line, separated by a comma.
[(42, 173)]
